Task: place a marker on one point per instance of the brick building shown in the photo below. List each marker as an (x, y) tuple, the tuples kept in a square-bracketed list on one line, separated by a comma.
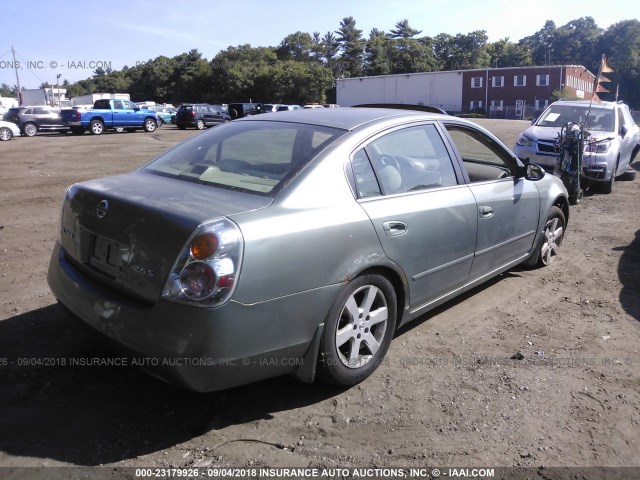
[(504, 92)]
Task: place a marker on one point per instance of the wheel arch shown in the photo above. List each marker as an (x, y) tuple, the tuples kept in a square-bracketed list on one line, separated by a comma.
[(563, 204), (399, 284)]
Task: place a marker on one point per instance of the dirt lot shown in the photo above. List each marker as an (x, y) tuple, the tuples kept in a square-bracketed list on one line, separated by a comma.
[(449, 393)]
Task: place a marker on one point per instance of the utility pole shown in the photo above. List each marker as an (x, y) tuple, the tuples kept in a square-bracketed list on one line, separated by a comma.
[(15, 64)]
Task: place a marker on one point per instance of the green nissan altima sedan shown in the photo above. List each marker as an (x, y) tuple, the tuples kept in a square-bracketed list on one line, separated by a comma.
[(298, 243)]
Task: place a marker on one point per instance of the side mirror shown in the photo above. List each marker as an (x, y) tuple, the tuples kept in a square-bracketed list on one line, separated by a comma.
[(533, 172)]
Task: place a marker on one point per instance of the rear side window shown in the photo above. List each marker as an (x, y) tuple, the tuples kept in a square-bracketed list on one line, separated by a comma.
[(249, 156)]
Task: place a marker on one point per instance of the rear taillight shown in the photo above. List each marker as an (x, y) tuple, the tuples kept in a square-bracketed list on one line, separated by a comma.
[(193, 114), (206, 271), (78, 115)]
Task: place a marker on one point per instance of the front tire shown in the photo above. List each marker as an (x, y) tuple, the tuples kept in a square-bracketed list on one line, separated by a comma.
[(358, 331), (150, 125), (30, 129), (549, 244), (5, 134), (96, 127)]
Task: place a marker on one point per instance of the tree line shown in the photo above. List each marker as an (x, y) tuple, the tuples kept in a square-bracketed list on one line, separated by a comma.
[(303, 67)]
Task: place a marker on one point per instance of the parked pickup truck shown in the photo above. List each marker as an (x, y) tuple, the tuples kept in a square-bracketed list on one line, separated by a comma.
[(112, 114)]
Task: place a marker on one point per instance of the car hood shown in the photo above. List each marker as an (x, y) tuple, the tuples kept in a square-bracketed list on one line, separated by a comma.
[(125, 232), (549, 134)]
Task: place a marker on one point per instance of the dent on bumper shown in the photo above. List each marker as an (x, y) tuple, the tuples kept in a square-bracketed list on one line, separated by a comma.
[(197, 348)]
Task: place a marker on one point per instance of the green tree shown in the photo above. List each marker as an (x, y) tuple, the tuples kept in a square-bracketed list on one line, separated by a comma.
[(298, 46), (352, 48), (504, 53), (577, 42), (541, 43), (330, 48), (235, 69), (8, 91), (403, 30), (377, 55), (621, 44), (462, 52)]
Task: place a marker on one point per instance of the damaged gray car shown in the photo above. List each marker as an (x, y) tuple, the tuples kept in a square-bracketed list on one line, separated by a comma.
[(298, 243)]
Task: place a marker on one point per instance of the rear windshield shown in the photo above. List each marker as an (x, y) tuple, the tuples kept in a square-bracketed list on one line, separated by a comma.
[(251, 156), (599, 119)]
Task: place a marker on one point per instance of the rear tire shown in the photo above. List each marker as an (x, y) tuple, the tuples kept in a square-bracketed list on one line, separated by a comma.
[(96, 127), (629, 175), (30, 129), (358, 332), (200, 125)]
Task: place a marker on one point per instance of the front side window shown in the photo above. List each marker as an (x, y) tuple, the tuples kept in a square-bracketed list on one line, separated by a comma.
[(483, 158), (251, 156)]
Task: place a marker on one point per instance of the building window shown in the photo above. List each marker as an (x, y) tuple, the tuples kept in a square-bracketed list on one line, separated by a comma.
[(497, 81), (496, 105), (476, 82), (475, 105), (519, 80), (542, 80), (542, 104)]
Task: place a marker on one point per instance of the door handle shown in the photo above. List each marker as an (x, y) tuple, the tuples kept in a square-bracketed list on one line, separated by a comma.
[(394, 228), (485, 211)]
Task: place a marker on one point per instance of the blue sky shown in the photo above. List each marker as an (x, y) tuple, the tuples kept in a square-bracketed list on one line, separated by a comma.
[(72, 38)]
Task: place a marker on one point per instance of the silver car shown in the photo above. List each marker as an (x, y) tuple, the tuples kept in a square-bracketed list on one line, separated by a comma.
[(298, 243), (610, 148)]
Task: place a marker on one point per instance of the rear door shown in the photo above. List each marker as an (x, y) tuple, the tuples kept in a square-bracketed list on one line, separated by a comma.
[(508, 207), (424, 216), (119, 114)]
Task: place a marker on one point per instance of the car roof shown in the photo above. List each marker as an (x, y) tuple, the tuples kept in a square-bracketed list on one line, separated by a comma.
[(346, 118)]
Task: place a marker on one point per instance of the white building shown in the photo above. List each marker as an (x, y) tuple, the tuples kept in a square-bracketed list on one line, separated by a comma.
[(436, 89)]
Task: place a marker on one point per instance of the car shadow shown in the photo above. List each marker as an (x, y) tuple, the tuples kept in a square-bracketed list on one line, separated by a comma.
[(629, 275), (90, 414)]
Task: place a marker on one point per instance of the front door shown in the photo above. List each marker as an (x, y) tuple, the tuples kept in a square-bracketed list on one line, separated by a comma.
[(508, 207)]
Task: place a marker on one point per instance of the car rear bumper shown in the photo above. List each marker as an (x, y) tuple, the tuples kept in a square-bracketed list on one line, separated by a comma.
[(201, 349)]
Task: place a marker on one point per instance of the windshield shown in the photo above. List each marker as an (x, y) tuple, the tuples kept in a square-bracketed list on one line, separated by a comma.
[(600, 119), (252, 156)]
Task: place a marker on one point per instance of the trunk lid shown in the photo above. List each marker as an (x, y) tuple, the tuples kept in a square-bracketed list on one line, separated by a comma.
[(125, 232)]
